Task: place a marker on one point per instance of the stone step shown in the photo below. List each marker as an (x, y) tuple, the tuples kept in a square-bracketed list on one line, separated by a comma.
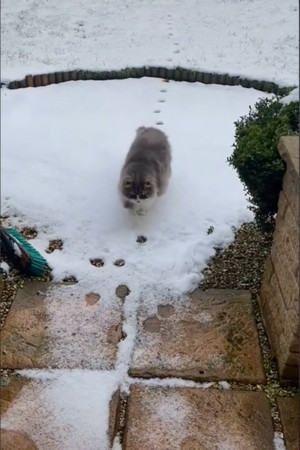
[(179, 418), (208, 336), (289, 414), (60, 326), (59, 410)]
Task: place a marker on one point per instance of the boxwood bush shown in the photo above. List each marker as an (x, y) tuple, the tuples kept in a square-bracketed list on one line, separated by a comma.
[(255, 155)]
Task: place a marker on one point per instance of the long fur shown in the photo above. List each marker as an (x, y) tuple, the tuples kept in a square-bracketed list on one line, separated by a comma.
[(146, 170)]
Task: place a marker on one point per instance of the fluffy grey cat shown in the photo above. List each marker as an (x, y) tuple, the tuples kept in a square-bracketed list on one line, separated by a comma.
[(146, 171)]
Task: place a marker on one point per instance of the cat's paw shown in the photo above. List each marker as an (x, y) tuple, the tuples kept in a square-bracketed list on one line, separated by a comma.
[(141, 212), (132, 212)]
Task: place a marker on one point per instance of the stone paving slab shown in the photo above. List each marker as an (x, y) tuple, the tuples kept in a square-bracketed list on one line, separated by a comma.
[(210, 336), (178, 418), (58, 326), (289, 414), (34, 416), (14, 440)]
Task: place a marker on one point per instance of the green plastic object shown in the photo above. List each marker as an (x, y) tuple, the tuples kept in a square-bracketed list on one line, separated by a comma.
[(23, 254)]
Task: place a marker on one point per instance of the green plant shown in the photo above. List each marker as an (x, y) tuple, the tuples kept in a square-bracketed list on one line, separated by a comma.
[(255, 155)]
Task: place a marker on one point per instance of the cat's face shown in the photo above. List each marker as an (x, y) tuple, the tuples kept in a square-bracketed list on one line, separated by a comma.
[(138, 190)]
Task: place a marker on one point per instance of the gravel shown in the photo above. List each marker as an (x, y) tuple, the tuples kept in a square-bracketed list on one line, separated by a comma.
[(9, 286), (10, 283), (55, 244), (241, 266)]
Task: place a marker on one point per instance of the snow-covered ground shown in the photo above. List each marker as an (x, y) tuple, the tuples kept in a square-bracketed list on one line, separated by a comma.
[(62, 151), (65, 410), (252, 38)]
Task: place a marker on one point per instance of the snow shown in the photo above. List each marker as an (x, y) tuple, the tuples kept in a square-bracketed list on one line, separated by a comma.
[(53, 35), (172, 382), (116, 444), (17, 249), (68, 164), (63, 409), (168, 409), (224, 385), (278, 441), (4, 267), (293, 96), (65, 145), (80, 332)]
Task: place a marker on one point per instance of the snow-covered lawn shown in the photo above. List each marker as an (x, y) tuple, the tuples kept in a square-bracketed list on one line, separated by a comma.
[(252, 38), (62, 150)]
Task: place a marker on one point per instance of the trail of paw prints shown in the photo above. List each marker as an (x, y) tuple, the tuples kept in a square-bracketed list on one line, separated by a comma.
[(176, 48), (170, 32), (164, 90), (158, 110), (171, 36)]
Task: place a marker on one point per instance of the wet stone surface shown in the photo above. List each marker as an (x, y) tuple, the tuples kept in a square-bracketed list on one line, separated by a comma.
[(25, 414), (92, 298), (57, 326), (289, 414), (193, 419), (209, 336), (15, 440)]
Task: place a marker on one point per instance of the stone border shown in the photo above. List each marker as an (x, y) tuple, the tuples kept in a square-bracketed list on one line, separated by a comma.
[(279, 292), (177, 74)]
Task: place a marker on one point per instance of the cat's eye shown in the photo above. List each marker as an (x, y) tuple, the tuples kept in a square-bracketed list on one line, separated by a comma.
[(128, 183), (147, 184)]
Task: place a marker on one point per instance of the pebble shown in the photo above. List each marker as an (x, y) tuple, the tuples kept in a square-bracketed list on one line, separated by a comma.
[(119, 262), (29, 232), (97, 262), (54, 244), (70, 279), (141, 239)]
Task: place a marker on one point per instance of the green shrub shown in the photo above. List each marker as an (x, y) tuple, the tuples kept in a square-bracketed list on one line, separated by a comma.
[(256, 157)]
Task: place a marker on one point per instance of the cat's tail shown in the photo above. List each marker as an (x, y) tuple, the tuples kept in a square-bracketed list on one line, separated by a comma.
[(140, 130)]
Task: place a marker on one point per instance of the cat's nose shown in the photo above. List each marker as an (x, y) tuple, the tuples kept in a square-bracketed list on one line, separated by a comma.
[(138, 200)]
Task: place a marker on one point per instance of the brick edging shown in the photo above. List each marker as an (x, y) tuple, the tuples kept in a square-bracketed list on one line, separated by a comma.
[(177, 74)]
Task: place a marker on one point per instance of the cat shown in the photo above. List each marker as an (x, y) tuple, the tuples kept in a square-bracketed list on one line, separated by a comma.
[(147, 169)]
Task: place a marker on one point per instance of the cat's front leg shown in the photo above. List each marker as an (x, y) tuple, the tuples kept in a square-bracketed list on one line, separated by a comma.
[(127, 204), (130, 207)]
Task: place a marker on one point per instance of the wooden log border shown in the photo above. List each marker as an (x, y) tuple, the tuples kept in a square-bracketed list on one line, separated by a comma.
[(177, 74)]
